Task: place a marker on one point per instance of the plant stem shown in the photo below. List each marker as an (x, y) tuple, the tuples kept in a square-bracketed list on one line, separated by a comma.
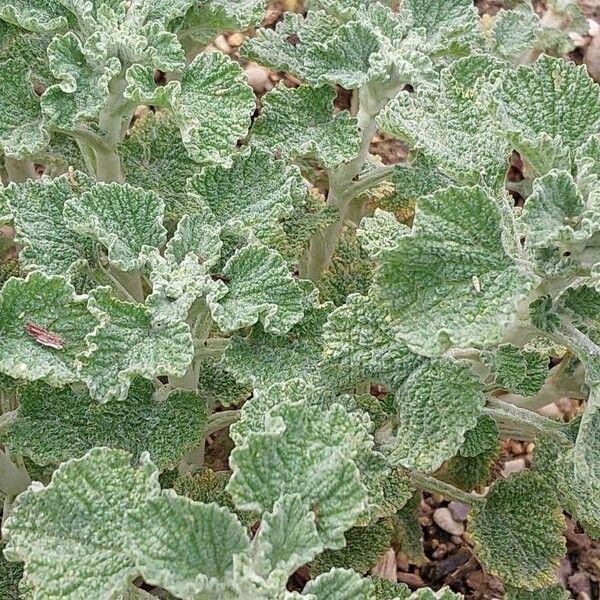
[(221, 420), (19, 170), (110, 122), (520, 422), (13, 480), (130, 282), (322, 246), (433, 485)]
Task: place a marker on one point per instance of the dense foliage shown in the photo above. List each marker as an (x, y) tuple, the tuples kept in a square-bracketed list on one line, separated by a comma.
[(195, 266)]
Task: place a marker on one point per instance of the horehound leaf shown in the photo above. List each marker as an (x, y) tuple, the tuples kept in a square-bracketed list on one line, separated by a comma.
[(482, 438), (518, 531), (182, 275), (517, 371), (82, 90), (339, 584), (37, 208), (452, 26), (386, 590), (212, 107), (207, 19), (453, 282), (256, 191), (556, 592), (259, 288), (184, 546), (127, 344), (52, 425), (254, 412), (35, 15), (21, 131), (125, 219), (286, 540), (72, 534), (360, 343), (512, 33), (154, 158), (546, 107), (437, 404), (43, 329), (451, 125), (299, 122), (443, 594), (380, 232), (308, 451), (364, 547), (261, 358), (556, 214)]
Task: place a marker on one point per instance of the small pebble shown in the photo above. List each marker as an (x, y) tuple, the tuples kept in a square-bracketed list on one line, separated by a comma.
[(594, 29), (236, 39), (513, 466), (258, 78), (459, 511), (443, 519), (551, 411), (221, 44)]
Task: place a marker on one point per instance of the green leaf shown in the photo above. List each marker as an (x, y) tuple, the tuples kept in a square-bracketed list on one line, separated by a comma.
[(308, 451), (207, 19), (551, 102), (212, 107), (182, 275), (386, 590), (10, 577), (416, 178), (299, 122), (256, 192), (407, 533), (519, 518), (126, 220), (219, 386), (163, 11), (516, 370), (361, 343), (83, 88), (437, 405), (513, 33), (35, 15), (28, 308), (184, 546), (380, 232), (364, 547), (261, 358), (452, 26), (21, 130), (556, 592), (427, 594), (127, 344), (482, 438), (453, 282), (72, 534), (154, 158), (259, 288), (37, 208), (286, 540), (557, 215), (339, 584), (206, 486), (52, 425), (451, 125)]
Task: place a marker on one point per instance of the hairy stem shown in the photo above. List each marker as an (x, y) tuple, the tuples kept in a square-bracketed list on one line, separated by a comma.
[(520, 422), (322, 246), (130, 282), (110, 122), (435, 486), (19, 170), (13, 480), (221, 420)]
